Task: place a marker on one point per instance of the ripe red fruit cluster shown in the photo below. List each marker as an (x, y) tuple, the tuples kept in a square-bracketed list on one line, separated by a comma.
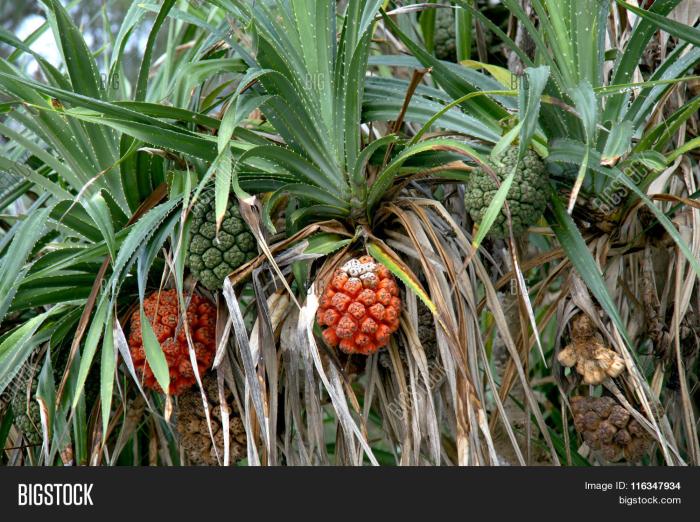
[(360, 307), (162, 310)]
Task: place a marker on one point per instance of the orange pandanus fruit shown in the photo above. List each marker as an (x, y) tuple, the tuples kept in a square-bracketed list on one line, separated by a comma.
[(163, 312), (360, 307)]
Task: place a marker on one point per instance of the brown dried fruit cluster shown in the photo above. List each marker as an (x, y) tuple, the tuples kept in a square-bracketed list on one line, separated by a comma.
[(426, 334), (195, 438), (592, 359), (426, 331), (163, 313), (608, 427)]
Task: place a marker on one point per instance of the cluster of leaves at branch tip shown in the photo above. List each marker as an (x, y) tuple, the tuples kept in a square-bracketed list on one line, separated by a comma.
[(212, 257), (527, 197)]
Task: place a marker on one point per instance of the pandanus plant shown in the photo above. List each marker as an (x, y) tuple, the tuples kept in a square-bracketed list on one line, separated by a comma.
[(89, 183), (621, 203), (342, 184), (119, 175)]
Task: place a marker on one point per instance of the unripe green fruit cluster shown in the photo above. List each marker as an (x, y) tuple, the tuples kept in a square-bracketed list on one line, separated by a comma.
[(214, 256), (527, 197)]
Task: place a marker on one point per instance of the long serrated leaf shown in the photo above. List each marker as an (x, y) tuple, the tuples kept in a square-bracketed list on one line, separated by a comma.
[(142, 81), (45, 396), (146, 255), (107, 368), (619, 141), (80, 63), (682, 31), (573, 152), (494, 209), (96, 206), (630, 57), (222, 186), (12, 266), (249, 364), (92, 340), (378, 252), (18, 345), (139, 234), (587, 108), (580, 256), (325, 243), (529, 103), (386, 177), (484, 108), (154, 353)]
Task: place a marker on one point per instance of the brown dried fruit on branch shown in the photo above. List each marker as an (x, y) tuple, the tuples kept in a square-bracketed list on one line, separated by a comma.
[(163, 313), (592, 359), (360, 307), (427, 335), (608, 427), (195, 438)]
